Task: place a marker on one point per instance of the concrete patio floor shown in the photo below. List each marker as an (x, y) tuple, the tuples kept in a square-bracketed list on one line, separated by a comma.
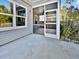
[(38, 47)]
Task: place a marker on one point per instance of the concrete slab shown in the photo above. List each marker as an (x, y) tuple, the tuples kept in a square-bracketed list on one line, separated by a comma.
[(39, 47)]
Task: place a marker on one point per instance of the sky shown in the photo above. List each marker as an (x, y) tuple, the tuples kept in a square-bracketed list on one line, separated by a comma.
[(75, 3), (5, 3)]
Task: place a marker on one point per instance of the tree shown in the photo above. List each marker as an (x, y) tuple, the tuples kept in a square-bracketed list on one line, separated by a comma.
[(70, 31)]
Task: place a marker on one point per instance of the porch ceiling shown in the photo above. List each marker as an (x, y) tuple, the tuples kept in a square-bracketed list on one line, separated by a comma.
[(31, 1), (34, 1)]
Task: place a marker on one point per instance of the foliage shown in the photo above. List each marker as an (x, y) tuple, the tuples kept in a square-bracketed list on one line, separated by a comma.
[(4, 19), (68, 30), (70, 23)]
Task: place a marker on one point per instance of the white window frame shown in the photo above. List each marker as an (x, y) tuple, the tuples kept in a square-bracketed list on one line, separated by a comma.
[(14, 17)]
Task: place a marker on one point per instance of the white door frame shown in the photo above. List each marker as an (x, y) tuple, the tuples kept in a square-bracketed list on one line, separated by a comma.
[(48, 34), (57, 36)]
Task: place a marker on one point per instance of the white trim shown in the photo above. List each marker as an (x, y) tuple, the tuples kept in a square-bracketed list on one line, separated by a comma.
[(20, 5), (12, 28), (44, 20), (58, 20), (25, 13), (51, 23), (45, 3), (17, 3), (51, 10), (51, 17), (51, 35), (21, 16), (26, 18), (6, 14), (14, 17)]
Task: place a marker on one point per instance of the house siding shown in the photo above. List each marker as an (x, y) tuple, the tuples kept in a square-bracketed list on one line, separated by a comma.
[(10, 35)]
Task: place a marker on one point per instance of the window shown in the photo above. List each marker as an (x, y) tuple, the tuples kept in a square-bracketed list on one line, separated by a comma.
[(6, 7), (6, 14), (12, 15), (20, 16), (20, 11), (20, 21), (6, 21)]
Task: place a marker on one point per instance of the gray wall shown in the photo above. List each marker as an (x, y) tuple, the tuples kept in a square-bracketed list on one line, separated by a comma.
[(7, 36)]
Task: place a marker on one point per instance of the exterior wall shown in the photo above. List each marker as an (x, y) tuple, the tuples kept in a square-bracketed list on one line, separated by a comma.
[(7, 36)]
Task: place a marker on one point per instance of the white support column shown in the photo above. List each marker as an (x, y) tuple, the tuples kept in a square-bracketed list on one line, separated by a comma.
[(14, 13), (26, 17), (58, 20), (44, 20)]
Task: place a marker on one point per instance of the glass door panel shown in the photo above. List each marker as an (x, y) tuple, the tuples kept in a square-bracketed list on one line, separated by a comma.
[(51, 29), (38, 20), (51, 17), (51, 6), (51, 20)]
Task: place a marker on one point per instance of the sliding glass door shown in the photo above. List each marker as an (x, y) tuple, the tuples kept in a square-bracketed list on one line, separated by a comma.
[(51, 23), (38, 20), (46, 20)]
